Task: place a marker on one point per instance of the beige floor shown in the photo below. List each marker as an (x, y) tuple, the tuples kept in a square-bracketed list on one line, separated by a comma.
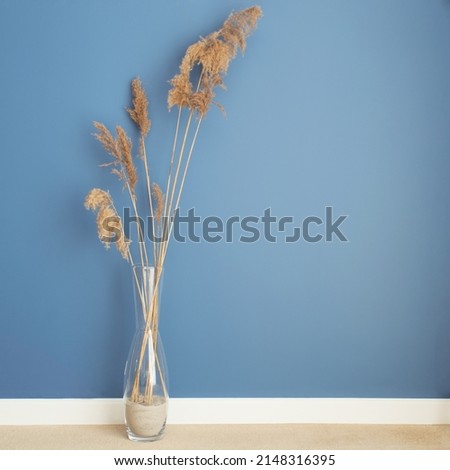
[(206, 437)]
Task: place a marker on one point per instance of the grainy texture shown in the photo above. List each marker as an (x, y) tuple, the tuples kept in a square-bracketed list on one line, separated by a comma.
[(241, 437)]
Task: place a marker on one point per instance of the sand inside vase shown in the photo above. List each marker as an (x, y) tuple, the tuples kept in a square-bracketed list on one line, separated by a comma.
[(146, 420)]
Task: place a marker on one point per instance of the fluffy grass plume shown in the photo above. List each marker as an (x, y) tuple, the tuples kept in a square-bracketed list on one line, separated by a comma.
[(108, 221), (139, 111), (213, 54), (125, 146)]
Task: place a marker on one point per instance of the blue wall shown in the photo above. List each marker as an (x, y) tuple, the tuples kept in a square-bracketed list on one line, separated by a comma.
[(336, 103)]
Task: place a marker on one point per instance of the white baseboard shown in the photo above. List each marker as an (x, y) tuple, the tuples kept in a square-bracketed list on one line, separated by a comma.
[(233, 411)]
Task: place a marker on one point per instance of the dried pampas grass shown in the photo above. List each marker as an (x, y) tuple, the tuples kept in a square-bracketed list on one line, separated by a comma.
[(125, 145), (213, 54), (105, 137), (121, 149), (109, 224), (97, 198), (139, 111)]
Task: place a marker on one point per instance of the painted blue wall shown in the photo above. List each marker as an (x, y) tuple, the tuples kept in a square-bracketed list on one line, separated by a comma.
[(336, 103)]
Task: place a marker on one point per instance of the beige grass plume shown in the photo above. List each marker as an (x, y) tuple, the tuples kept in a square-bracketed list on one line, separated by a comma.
[(125, 146), (97, 198), (213, 54), (139, 111), (109, 224), (105, 137), (121, 149)]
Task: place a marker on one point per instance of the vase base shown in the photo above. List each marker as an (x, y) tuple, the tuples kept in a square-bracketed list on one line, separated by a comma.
[(146, 422), (135, 438)]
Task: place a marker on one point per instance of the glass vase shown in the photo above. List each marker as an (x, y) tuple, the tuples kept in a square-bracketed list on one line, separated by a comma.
[(145, 378)]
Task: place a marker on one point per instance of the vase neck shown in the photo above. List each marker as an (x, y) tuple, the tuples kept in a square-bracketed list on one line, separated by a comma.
[(147, 283)]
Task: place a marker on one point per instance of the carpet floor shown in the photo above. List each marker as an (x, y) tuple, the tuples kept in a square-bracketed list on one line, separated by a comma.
[(239, 437)]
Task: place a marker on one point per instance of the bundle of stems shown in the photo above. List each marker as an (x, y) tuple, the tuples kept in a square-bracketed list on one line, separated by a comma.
[(210, 56)]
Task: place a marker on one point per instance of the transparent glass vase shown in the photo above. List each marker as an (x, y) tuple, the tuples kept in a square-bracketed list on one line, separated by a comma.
[(145, 378)]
